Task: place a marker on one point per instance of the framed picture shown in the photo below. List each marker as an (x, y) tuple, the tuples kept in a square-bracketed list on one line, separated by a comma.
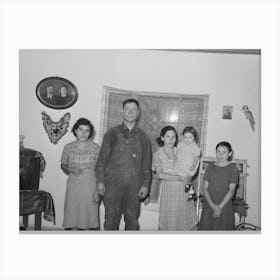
[(227, 112), (56, 93)]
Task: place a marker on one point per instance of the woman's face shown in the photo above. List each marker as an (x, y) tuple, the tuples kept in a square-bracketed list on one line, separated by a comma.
[(169, 139), (63, 91), (82, 133)]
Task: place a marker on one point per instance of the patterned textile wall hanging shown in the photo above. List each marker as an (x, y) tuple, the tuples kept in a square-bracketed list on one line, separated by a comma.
[(157, 110)]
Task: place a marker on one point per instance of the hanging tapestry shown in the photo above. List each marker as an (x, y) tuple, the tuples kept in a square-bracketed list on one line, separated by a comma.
[(55, 130)]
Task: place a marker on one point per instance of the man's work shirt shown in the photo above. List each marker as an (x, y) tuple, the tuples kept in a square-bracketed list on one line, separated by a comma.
[(125, 150)]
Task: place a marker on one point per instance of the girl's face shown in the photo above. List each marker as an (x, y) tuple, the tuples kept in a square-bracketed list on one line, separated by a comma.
[(82, 133), (169, 139), (188, 138), (222, 154)]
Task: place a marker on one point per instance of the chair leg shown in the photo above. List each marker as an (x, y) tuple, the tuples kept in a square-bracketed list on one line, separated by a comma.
[(25, 221), (38, 220)]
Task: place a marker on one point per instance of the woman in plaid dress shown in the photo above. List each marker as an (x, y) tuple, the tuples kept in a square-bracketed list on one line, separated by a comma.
[(78, 162), (176, 212)]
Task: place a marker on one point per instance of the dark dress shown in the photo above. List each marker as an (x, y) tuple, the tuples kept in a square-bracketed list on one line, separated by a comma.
[(219, 178)]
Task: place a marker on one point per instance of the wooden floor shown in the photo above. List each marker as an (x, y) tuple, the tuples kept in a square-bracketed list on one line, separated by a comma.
[(43, 228)]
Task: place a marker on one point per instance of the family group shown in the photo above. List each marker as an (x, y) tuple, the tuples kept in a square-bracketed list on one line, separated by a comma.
[(119, 173)]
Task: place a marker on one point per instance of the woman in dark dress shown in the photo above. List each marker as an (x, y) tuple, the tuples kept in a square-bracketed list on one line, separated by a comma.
[(220, 181)]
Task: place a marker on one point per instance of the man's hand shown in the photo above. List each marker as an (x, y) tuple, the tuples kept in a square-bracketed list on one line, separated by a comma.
[(95, 197), (147, 200), (100, 188), (143, 192)]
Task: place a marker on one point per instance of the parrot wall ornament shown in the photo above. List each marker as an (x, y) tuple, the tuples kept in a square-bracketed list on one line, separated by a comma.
[(249, 116)]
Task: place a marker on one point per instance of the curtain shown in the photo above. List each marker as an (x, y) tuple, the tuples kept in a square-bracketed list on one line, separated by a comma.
[(157, 110)]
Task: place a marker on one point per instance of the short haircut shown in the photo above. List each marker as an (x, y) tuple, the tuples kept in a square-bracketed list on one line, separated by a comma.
[(83, 121), (226, 145), (163, 132), (131, 100)]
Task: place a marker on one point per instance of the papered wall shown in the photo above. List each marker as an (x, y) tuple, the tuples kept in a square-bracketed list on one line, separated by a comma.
[(228, 79)]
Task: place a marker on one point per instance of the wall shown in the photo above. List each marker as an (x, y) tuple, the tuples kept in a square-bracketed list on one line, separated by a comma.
[(229, 80)]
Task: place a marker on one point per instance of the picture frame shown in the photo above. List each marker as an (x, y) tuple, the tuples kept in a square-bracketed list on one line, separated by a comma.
[(227, 112), (57, 93)]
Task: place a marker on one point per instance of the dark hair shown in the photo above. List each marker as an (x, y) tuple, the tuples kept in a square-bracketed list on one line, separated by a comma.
[(190, 129), (163, 132), (226, 145), (131, 100), (83, 121)]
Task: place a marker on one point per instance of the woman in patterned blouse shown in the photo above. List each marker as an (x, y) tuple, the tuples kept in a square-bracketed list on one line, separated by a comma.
[(81, 209)]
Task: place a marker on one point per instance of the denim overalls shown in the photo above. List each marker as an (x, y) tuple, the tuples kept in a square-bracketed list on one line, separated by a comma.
[(123, 180)]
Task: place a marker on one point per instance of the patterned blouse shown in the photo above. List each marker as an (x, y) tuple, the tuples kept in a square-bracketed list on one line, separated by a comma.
[(84, 158), (162, 162)]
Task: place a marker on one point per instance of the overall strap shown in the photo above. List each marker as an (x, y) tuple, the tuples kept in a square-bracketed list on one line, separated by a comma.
[(118, 133)]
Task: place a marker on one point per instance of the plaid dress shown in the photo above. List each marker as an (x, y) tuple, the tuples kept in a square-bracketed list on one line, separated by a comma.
[(176, 212), (79, 210)]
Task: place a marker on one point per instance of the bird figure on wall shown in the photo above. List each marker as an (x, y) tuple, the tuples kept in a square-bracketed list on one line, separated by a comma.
[(249, 116)]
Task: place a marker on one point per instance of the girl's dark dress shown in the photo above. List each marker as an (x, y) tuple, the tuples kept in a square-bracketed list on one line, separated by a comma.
[(219, 178)]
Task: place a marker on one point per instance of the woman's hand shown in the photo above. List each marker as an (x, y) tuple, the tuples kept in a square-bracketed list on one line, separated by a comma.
[(217, 211), (179, 178), (75, 170), (187, 180)]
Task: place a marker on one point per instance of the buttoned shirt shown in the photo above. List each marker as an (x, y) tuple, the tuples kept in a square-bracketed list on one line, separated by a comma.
[(131, 150)]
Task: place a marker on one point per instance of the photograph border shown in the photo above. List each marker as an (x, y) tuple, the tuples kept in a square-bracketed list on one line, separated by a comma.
[(54, 81)]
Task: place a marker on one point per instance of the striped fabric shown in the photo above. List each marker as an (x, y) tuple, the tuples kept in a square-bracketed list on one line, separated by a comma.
[(176, 211)]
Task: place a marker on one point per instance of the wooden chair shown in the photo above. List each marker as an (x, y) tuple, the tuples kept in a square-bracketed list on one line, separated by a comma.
[(36, 202)]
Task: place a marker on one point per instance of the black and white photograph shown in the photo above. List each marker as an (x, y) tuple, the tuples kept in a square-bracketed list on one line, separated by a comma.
[(131, 157), (227, 112), (139, 140), (56, 93)]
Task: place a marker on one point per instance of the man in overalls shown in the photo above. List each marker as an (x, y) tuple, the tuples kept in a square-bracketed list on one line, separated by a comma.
[(123, 169)]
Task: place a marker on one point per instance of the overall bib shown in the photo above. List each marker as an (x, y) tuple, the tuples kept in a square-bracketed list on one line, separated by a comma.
[(123, 180)]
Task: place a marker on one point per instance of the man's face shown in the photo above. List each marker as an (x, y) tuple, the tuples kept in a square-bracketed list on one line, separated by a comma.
[(130, 112)]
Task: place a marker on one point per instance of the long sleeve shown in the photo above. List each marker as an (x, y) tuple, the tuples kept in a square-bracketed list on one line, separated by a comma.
[(104, 154), (146, 161), (158, 167)]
